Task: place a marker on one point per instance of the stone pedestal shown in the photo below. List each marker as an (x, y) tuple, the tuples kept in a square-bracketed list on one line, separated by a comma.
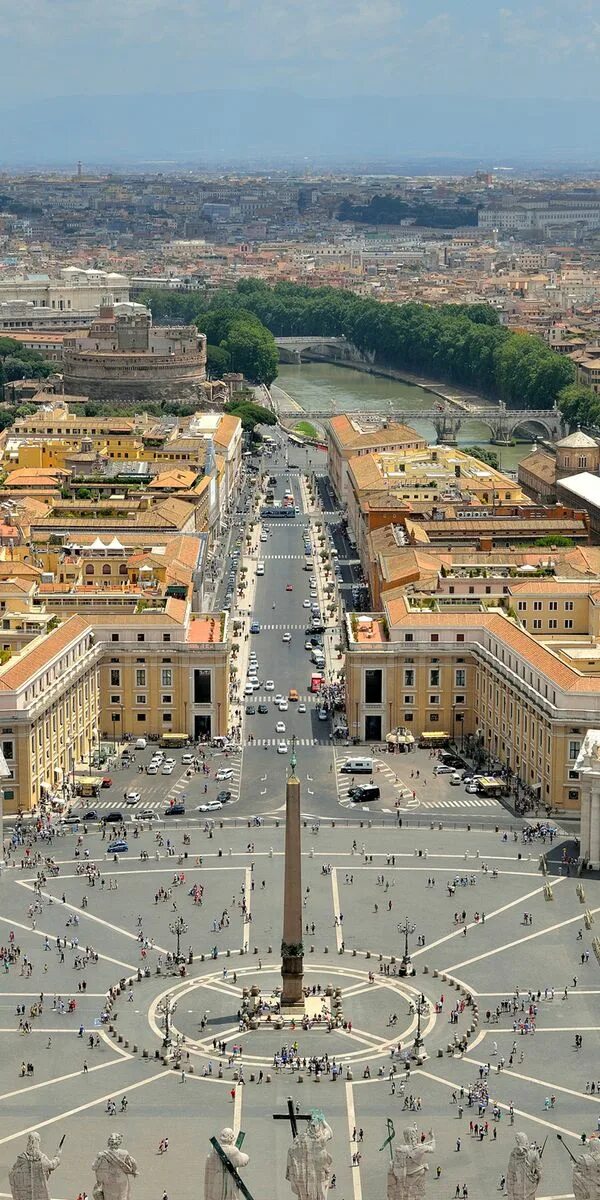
[(588, 764)]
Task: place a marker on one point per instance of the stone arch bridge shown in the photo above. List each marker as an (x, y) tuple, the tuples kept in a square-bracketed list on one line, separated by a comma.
[(293, 349)]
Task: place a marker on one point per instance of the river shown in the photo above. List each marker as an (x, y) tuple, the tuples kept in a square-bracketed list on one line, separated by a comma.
[(317, 385)]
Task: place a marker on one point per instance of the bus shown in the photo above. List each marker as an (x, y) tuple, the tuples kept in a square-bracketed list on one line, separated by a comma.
[(173, 740), (489, 785), (316, 682), (89, 785), (434, 740)]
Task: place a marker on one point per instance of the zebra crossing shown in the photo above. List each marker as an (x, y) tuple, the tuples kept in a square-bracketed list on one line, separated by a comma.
[(406, 799), (269, 698), (283, 628), (261, 743), (287, 557)]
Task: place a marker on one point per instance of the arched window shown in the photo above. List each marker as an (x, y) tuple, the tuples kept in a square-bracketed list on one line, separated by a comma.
[(106, 568), (89, 568)]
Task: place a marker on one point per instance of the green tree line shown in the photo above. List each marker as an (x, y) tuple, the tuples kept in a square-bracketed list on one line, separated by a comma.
[(462, 344), (392, 210)]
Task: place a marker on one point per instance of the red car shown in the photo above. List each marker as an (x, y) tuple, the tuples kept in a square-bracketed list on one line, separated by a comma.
[(107, 781), (288, 587)]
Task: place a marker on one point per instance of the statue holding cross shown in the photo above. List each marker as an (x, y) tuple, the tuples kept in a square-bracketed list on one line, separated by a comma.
[(308, 1161), (408, 1170), (222, 1180)]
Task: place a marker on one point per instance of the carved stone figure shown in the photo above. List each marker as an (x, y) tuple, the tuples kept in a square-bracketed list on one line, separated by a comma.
[(113, 1169), (524, 1170), (309, 1162), (28, 1176), (218, 1183), (407, 1173), (586, 1172)]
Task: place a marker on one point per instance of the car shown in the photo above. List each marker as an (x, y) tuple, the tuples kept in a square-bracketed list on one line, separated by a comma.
[(248, 690), (106, 781), (283, 705), (289, 587), (452, 760), (113, 818), (455, 779), (317, 627), (70, 819), (280, 727), (368, 791), (286, 637), (472, 789), (157, 756), (278, 698), (322, 714), (175, 810), (308, 567), (282, 748), (119, 846), (250, 710), (211, 806), (187, 759), (167, 768), (443, 769), (90, 815), (133, 797), (264, 537), (306, 603), (152, 769), (224, 773), (293, 695), (301, 708), (147, 815), (255, 627), (223, 797), (263, 708), (308, 645), (269, 685)]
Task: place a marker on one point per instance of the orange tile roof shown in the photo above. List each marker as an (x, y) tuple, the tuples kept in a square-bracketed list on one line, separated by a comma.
[(226, 429), (200, 629), (36, 656)]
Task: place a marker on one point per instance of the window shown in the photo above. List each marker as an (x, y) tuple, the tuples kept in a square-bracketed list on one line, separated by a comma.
[(537, 624), (459, 700), (573, 774), (434, 677), (409, 716), (167, 716), (166, 637), (574, 748), (106, 568), (460, 677), (140, 716), (8, 750), (372, 729), (166, 699), (573, 794), (460, 637), (166, 677), (115, 677), (140, 698), (435, 637), (537, 606), (522, 606), (408, 637), (409, 677), (202, 687), (568, 624), (114, 637), (553, 605), (373, 686), (409, 700), (434, 699), (433, 717), (141, 637), (568, 606), (140, 677), (115, 699), (553, 623)]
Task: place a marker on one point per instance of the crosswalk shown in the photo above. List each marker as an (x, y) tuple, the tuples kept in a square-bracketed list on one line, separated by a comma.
[(269, 698), (260, 743), (291, 523), (283, 628), (286, 556), (404, 795)]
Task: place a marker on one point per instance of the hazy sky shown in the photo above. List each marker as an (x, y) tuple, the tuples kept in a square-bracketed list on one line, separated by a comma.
[(316, 47)]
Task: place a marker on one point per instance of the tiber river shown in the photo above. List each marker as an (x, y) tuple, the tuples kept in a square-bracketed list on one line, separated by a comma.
[(317, 385)]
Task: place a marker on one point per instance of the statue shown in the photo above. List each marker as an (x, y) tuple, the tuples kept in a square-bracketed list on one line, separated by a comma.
[(524, 1170), (28, 1176), (407, 1172), (218, 1183), (586, 1172), (308, 1161), (113, 1168)]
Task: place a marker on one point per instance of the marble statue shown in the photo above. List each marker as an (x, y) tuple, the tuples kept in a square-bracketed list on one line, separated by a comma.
[(524, 1170), (218, 1183), (113, 1169), (586, 1172), (407, 1173), (309, 1162), (28, 1176)]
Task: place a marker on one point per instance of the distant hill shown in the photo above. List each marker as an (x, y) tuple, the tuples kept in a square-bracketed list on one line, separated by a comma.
[(272, 126)]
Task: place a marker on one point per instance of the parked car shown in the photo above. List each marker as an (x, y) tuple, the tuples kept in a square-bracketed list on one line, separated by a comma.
[(224, 773), (368, 791), (175, 810), (223, 797), (119, 846), (90, 815), (113, 818), (211, 806)]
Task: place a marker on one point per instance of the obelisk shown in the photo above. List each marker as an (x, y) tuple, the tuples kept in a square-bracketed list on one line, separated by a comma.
[(292, 950)]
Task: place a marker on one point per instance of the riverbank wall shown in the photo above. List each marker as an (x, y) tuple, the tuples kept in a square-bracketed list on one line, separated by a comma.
[(461, 400)]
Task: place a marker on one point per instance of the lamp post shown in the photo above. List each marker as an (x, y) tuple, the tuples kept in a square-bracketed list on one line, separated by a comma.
[(166, 1008), (421, 1008), (406, 928), (460, 719), (178, 928)]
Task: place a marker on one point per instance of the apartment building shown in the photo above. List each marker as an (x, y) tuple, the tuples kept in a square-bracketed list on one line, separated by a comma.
[(347, 439)]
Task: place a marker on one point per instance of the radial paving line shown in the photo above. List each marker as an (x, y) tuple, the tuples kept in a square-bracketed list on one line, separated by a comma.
[(72, 1112), (52, 937), (247, 895), (88, 915), (520, 1112), (496, 912), (237, 1108), (123, 1056), (518, 942), (336, 908)]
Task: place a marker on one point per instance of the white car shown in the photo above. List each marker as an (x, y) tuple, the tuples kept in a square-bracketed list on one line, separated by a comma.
[(133, 797), (280, 727), (187, 760), (308, 645), (306, 603), (471, 789), (283, 705), (170, 760), (210, 806), (167, 768), (152, 769), (442, 769), (322, 714), (278, 698), (282, 748), (248, 690), (264, 537), (301, 708), (269, 685), (224, 773), (286, 637)]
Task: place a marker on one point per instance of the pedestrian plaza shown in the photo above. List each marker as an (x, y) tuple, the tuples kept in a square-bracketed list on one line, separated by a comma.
[(504, 999)]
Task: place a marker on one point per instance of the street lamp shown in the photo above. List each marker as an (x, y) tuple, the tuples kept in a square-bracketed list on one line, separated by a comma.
[(178, 928), (421, 1008), (166, 1008), (406, 928)]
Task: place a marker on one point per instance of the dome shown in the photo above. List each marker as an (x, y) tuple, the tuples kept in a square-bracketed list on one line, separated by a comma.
[(577, 441)]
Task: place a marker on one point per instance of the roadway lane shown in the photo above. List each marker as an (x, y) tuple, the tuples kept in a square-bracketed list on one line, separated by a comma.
[(288, 664)]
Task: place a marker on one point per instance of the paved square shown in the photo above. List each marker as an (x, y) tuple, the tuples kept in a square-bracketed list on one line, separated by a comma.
[(361, 1017)]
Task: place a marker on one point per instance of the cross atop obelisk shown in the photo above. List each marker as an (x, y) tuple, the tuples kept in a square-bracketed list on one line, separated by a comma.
[(292, 950)]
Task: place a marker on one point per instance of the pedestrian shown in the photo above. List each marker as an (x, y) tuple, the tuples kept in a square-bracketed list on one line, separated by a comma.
[(457, 1144), (85, 1067)]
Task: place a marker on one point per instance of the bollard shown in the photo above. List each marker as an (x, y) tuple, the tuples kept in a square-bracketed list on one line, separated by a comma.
[(267, 1078), (229, 954), (426, 970), (326, 950)]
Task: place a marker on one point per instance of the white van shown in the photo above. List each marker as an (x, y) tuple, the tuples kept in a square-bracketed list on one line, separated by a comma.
[(260, 568), (140, 744), (358, 766), (318, 658)]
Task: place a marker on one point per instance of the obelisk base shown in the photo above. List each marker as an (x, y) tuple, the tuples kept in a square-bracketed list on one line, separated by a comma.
[(292, 974)]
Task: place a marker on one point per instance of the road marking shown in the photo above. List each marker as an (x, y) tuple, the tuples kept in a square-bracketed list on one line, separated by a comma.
[(336, 908), (61, 1078), (520, 1112), (356, 1181), (477, 924), (85, 914), (550, 1087), (237, 1107), (52, 937), (247, 897), (72, 1112), (518, 941)]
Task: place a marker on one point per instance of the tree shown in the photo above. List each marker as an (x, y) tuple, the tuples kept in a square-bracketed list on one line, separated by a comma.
[(483, 454), (250, 414), (580, 405), (218, 361)]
